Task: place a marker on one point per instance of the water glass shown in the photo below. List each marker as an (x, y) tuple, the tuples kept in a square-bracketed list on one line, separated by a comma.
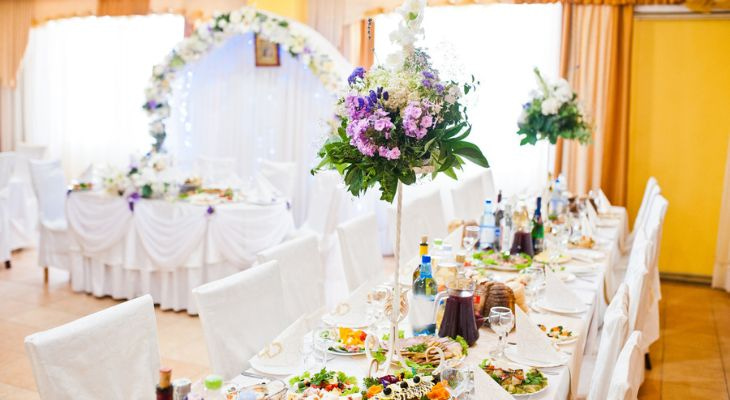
[(471, 236), (501, 320), (323, 338), (461, 382), (535, 283)]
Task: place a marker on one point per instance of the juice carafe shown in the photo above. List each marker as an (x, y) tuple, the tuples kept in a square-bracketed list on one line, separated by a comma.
[(458, 318)]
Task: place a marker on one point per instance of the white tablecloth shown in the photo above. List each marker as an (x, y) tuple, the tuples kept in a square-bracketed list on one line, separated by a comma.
[(165, 248), (563, 381)]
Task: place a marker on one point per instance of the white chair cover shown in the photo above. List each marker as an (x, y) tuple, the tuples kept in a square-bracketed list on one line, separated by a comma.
[(23, 207), (614, 334), (650, 191), (468, 198), (7, 163), (50, 189), (281, 175), (653, 229), (240, 315), (26, 152), (637, 280), (628, 374), (422, 215), (362, 258), (302, 275), (217, 171), (490, 190), (323, 207), (111, 354)]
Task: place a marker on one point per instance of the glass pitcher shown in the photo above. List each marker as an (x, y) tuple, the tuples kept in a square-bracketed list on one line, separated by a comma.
[(458, 313)]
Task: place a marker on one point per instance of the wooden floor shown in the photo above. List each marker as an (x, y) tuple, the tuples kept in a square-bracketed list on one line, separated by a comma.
[(691, 361)]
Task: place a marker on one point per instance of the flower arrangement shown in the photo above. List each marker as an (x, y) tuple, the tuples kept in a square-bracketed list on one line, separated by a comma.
[(147, 178), (397, 118), (553, 112), (209, 35)]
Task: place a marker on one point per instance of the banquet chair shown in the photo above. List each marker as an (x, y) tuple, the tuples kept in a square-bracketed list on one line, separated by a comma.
[(596, 371), (651, 190), (217, 171), (24, 205), (422, 215), (628, 373), (654, 227), (362, 258), (7, 164), (110, 354), (302, 274), (468, 198), (240, 314), (488, 186), (50, 189), (281, 175)]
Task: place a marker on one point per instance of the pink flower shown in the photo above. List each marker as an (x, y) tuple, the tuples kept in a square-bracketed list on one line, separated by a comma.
[(390, 154), (426, 121)]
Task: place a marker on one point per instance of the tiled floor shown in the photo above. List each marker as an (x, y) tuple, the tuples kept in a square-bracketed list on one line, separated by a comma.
[(691, 361)]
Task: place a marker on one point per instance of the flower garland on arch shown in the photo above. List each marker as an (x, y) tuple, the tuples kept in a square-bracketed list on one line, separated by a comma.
[(208, 36)]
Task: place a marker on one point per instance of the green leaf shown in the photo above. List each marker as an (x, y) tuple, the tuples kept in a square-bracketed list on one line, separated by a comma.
[(471, 152)]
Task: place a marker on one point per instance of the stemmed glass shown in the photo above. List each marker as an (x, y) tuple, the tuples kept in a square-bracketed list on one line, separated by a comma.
[(376, 302), (461, 382), (535, 283), (471, 236), (306, 349), (501, 320), (322, 342)]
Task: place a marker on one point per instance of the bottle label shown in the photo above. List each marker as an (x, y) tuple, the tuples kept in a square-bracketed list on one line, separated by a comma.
[(421, 311)]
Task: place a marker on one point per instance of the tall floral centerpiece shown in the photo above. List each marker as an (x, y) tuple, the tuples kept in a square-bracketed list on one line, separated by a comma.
[(397, 121), (553, 112)]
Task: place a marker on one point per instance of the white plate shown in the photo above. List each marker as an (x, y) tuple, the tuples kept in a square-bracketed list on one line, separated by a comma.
[(275, 371), (344, 353), (511, 365), (578, 309), (566, 340), (511, 353)]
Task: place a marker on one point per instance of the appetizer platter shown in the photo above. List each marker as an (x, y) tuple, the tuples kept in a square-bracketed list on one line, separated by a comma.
[(420, 355), (402, 386), (323, 384), (516, 380), (502, 261), (345, 341), (559, 334)]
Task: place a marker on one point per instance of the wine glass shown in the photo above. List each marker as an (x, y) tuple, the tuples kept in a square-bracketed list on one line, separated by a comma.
[(376, 302), (535, 283), (460, 381), (306, 349), (323, 338), (471, 236), (501, 320)]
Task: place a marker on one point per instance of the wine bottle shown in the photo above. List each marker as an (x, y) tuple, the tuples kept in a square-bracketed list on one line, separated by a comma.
[(422, 251), (424, 295), (164, 387)]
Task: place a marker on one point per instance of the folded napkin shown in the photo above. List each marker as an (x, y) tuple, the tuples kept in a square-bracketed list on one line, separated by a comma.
[(558, 294), (487, 388), (587, 255), (603, 203), (285, 350), (532, 343), (586, 225)]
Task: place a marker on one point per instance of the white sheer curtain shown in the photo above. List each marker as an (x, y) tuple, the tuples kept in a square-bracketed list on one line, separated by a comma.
[(499, 44), (225, 106), (83, 85)]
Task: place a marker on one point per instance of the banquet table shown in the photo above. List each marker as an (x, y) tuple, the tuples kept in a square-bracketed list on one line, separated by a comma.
[(564, 380), (125, 248)]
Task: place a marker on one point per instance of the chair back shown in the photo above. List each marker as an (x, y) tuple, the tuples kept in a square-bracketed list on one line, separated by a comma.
[(7, 165), (240, 314), (488, 186), (637, 279), (423, 215), (650, 191), (111, 354), (25, 153), (614, 333), (282, 176), (324, 204), (468, 198), (628, 374), (362, 258), (50, 188), (302, 274)]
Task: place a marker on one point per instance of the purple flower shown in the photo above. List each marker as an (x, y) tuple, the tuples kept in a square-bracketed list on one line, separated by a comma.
[(210, 210), (426, 121), (390, 154), (385, 96), (426, 83), (439, 88), (428, 75), (379, 125), (358, 73)]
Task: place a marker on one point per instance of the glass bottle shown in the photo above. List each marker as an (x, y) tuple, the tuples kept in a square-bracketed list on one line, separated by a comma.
[(498, 216), (422, 251), (487, 227), (424, 295), (522, 241), (538, 229), (506, 229), (164, 387)]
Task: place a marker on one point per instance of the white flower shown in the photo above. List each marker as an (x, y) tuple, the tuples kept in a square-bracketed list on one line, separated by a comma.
[(523, 117), (563, 92), (221, 23), (236, 16), (550, 105), (395, 60), (158, 69)]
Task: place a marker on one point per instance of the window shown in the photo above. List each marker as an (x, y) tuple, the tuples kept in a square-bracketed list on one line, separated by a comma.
[(499, 44)]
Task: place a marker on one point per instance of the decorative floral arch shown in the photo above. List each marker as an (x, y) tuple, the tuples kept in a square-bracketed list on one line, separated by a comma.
[(301, 42)]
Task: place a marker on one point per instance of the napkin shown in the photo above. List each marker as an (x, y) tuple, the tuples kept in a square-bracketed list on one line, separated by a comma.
[(285, 350), (487, 388), (603, 203), (263, 190), (586, 225), (532, 343), (557, 294)]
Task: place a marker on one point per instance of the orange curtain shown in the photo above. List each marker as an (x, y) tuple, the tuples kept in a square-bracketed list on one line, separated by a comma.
[(15, 22), (367, 43), (115, 8), (595, 58)]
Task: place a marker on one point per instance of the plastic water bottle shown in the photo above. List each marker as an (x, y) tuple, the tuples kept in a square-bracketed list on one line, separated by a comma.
[(487, 227)]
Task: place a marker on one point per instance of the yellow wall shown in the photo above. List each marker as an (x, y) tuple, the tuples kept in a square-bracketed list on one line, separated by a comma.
[(679, 128), (294, 9)]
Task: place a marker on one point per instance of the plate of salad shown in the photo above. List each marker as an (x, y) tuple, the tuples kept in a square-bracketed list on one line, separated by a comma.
[(559, 334), (517, 380), (503, 261), (345, 341), (422, 359), (310, 386)]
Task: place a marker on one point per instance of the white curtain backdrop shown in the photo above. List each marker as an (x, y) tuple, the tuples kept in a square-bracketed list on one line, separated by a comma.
[(499, 44), (83, 85), (225, 106)]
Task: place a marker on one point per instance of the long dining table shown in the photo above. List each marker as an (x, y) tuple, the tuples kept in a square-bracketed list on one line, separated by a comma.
[(590, 287)]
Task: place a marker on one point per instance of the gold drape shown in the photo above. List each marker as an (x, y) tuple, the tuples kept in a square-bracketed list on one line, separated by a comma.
[(595, 58), (116, 8), (15, 22)]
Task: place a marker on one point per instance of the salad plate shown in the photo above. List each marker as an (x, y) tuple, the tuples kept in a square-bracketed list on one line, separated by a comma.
[(323, 384), (417, 354), (518, 380), (559, 334), (345, 341), (501, 261)]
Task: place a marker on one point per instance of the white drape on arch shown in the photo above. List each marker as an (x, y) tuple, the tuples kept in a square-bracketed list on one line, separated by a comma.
[(225, 106)]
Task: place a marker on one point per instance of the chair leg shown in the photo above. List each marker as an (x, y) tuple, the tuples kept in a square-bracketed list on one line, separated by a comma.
[(647, 361), (8, 265), (45, 275)]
